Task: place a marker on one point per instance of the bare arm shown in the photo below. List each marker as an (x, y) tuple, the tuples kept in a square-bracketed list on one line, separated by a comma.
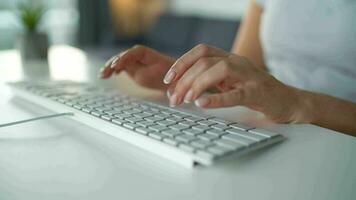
[(247, 42)]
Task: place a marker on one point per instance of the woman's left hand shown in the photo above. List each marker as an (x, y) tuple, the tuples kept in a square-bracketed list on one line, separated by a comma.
[(239, 83)]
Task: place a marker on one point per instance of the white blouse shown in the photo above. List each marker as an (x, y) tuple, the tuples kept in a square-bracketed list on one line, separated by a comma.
[(311, 44)]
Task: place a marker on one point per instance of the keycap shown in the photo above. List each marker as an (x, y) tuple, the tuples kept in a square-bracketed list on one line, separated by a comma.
[(112, 112), (106, 117), (158, 128), (97, 113), (155, 135), (218, 150), (162, 115), (219, 121), (145, 123), (187, 123), (132, 111), (229, 144), (201, 127), (165, 123), (179, 115), (170, 141), (216, 132), (204, 154), (241, 126), (206, 122), (246, 134), (174, 119), (263, 132), (193, 132), (118, 121), (220, 126), (130, 125), (178, 127), (208, 136), (153, 119), (238, 139), (133, 119), (186, 147), (199, 143), (171, 132), (185, 138), (143, 130), (142, 115), (193, 118), (123, 115)]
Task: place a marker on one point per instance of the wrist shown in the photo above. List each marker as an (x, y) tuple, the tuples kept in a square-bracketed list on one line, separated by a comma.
[(305, 107)]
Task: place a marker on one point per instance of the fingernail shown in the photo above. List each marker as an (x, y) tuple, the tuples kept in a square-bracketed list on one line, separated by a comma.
[(169, 94), (201, 102), (169, 77), (189, 96), (173, 100), (114, 62)]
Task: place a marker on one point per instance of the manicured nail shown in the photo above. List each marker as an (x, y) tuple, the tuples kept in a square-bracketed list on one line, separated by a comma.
[(114, 62), (202, 102), (169, 77), (189, 96), (173, 100), (169, 94)]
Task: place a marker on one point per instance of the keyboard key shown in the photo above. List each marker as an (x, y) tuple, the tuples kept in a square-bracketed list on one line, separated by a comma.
[(165, 123), (205, 154), (246, 134), (145, 123), (263, 132), (229, 144), (133, 119), (112, 112), (220, 126), (193, 132), (187, 123), (158, 128), (162, 115), (118, 121), (171, 132), (186, 147), (97, 113), (143, 130), (193, 118), (179, 115), (130, 125), (106, 117), (174, 119), (206, 122), (199, 143), (201, 127), (153, 119), (178, 127), (157, 136), (216, 132), (185, 138), (218, 150), (142, 115), (170, 141), (239, 139), (123, 115), (208, 136), (219, 121), (241, 126)]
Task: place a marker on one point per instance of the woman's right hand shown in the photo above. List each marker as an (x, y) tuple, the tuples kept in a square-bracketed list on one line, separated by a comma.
[(146, 66)]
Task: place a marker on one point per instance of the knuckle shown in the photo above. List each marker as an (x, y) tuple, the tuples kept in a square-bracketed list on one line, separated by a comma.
[(225, 67), (203, 48), (203, 63)]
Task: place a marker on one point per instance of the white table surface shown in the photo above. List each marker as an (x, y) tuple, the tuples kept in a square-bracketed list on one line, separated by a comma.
[(63, 159)]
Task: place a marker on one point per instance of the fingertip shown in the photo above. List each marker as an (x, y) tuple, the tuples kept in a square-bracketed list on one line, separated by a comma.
[(202, 102)]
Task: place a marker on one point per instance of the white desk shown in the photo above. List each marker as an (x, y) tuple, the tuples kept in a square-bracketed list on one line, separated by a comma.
[(63, 159)]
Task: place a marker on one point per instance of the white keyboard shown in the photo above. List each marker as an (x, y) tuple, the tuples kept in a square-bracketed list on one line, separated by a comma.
[(180, 136)]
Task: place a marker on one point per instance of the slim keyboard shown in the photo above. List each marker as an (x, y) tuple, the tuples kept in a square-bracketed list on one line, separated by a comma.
[(184, 137)]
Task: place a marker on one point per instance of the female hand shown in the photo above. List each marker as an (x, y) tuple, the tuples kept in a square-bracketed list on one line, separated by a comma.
[(239, 82), (146, 66)]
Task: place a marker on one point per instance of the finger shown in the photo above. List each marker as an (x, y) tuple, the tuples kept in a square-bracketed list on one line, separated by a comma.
[(188, 59), (106, 71), (185, 82), (214, 76), (226, 99)]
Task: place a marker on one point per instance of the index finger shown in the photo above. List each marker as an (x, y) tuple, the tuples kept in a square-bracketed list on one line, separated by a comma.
[(188, 59)]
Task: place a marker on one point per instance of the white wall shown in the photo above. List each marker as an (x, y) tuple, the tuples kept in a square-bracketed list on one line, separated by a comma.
[(226, 9)]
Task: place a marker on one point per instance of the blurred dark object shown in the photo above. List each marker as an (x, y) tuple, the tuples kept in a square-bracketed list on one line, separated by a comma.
[(171, 34)]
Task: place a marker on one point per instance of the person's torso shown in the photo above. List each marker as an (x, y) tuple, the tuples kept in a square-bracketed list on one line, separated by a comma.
[(311, 44)]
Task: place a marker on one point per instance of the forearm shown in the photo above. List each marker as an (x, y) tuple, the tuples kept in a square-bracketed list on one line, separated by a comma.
[(329, 112)]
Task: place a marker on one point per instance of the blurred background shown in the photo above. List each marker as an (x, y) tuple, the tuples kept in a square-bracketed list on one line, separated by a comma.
[(74, 32)]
